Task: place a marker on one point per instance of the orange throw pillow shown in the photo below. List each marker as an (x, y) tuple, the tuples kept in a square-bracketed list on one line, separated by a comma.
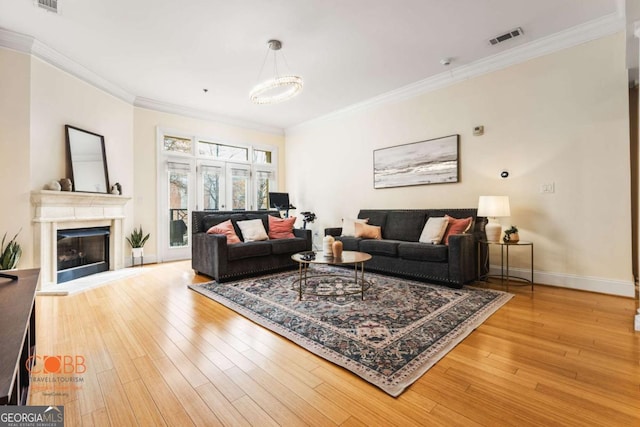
[(227, 229), (456, 226), (367, 231), (281, 228)]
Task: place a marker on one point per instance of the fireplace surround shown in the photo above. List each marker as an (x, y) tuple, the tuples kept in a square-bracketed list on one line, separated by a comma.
[(65, 210)]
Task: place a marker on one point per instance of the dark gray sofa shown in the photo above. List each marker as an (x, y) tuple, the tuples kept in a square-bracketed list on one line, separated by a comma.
[(211, 256), (400, 254)]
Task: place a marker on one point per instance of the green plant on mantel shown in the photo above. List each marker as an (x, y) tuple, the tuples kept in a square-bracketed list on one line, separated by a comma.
[(137, 239), (10, 254)]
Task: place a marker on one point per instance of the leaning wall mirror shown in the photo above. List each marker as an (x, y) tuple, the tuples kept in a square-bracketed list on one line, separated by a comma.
[(86, 161)]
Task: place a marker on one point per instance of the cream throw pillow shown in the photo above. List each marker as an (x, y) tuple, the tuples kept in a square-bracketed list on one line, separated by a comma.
[(434, 230), (349, 226), (253, 230)]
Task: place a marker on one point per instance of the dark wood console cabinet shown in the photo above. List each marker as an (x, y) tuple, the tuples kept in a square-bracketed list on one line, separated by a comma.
[(17, 334)]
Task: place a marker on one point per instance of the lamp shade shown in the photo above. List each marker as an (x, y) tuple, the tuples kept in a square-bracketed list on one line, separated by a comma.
[(493, 206)]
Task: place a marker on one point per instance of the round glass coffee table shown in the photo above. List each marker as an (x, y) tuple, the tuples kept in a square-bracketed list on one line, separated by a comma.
[(355, 284)]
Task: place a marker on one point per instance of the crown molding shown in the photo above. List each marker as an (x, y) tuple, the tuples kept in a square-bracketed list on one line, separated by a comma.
[(16, 41), (166, 107), (583, 33), (29, 45), (574, 36), (58, 60)]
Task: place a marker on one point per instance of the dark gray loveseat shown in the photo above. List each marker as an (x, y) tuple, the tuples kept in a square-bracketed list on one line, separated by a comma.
[(212, 256), (399, 253)]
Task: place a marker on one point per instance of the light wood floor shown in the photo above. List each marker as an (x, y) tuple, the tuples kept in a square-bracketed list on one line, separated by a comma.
[(159, 354)]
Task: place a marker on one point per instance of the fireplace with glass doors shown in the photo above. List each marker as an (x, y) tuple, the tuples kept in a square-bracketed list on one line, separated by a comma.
[(82, 252)]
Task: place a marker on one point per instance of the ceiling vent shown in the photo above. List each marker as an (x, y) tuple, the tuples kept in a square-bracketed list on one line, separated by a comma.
[(501, 38), (50, 5)]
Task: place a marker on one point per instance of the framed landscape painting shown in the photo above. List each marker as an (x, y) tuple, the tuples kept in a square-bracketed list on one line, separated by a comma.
[(434, 161)]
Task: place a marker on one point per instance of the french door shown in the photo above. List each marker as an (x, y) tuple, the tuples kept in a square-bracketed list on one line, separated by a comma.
[(206, 174), (204, 185), (177, 199), (223, 186)]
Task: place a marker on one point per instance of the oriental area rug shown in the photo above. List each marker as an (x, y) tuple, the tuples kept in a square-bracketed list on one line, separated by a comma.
[(400, 330)]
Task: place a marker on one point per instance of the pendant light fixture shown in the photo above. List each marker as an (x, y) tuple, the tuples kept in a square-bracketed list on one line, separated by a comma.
[(279, 88)]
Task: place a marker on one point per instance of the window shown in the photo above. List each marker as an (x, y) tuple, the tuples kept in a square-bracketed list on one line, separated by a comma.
[(261, 156), (226, 176), (198, 174), (239, 188), (222, 151), (178, 184), (177, 145), (212, 181), (264, 179)]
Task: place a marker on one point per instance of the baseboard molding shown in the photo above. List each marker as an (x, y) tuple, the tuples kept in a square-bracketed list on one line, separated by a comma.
[(85, 283), (572, 281)]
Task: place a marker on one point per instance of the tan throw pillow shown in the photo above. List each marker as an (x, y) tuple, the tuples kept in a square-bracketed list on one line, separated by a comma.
[(227, 229), (253, 230), (456, 226), (349, 226), (366, 231), (434, 230)]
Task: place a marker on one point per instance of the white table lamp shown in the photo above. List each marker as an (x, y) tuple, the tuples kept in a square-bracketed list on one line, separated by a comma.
[(493, 207)]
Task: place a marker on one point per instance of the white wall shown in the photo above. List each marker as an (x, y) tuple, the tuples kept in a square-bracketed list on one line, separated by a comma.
[(57, 99), (561, 118), (15, 210)]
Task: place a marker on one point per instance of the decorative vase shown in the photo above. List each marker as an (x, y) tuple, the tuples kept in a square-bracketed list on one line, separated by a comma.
[(337, 249), (327, 246), (53, 186), (511, 238), (65, 184), (137, 252)]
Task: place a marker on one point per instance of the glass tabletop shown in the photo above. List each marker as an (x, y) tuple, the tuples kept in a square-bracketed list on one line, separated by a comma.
[(519, 242), (348, 257)]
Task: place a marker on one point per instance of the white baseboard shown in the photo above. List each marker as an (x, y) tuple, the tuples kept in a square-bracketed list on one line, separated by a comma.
[(572, 281), (88, 282)]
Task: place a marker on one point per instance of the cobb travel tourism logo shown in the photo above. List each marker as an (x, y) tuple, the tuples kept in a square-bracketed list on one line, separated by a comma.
[(56, 375), (31, 416), (66, 364)]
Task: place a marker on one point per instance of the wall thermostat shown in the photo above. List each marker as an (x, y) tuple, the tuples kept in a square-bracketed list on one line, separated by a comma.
[(504, 174), (478, 130)]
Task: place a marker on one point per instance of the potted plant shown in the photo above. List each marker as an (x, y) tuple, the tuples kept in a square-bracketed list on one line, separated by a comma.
[(137, 239), (10, 254), (307, 217), (511, 235)]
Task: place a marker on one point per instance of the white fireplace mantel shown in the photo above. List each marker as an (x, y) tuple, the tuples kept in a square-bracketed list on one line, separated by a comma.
[(58, 210)]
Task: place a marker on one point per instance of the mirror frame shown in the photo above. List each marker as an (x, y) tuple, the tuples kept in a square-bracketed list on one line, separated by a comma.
[(82, 182)]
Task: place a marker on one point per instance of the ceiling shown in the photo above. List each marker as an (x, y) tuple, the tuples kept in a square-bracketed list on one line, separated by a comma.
[(166, 52)]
